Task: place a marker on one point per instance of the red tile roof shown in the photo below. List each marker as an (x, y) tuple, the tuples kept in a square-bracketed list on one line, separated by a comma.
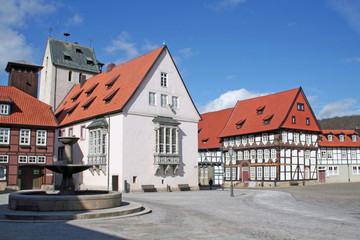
[(25, 109), (113, 90), (348, 142), (271, 112), (210, 126)]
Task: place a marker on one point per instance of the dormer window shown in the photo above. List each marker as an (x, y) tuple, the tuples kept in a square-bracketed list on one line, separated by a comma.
[(89, 61), (4, 109), (76, 96), (88, 103), (108, 98), (67, 56), (78, 50), (300, 107), (341, 137), (70, 110), (199, 131), (205, 140), (260, 110), (240, 123), (110, 83), (91, 89), (268, 119), (330, 137), (354, 138)]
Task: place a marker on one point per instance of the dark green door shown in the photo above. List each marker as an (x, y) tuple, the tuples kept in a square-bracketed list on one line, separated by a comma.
[(30, 177)]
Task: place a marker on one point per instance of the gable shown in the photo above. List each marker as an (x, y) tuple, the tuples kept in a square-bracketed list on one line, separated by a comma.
[(301, 111), (175, 87)]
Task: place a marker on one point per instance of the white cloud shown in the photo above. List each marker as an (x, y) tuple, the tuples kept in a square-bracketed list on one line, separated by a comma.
[(13, 16), (229, 99), (75, 20), (349, 60), (123, 45), (149, 46), (349, 10), (345, 107), (224, 4)]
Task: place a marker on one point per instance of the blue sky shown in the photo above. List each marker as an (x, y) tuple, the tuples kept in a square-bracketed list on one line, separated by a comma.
[(225, 50)]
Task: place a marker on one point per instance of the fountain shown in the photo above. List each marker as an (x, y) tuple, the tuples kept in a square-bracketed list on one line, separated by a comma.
[(67, 199)]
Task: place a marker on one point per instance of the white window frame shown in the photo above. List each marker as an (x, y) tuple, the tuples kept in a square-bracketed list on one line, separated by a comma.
[(166, 140), (251, 139), (357, 170), (152, 99), (246, 155), (284, 137), (25, 137), (307, 154), (82, 132), (266, 172), (253, 155), (296, 138), (97, 146), (164, 100), (273, 153), (260, 155), (252, 173), (31, 159), (333, 170), (175, 102), (308, 139), (265, 137), (259, 173), (244, 140), (41, 136), (4, 135), (41, 159), (273, 172), (341, 137), (353, 154), (329, 154), (4, 109), (4, 158), (240, 155), (266, 154), (354, 138), (330, 137), (163, 79), (22, 159), (343, 154)]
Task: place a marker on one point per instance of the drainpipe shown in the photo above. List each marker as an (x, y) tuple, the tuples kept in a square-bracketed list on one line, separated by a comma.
[(108, 159), (55, 88)]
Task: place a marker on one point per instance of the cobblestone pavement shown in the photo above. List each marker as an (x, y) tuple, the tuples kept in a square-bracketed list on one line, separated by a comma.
[(251, 214)]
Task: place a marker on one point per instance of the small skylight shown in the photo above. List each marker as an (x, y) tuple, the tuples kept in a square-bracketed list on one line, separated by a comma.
[(67, 56), (205, 140), (78, 50), (240, 123), (110, 83), (260, 110), (268, 119), (110, 96), (88, 103), (91, 89), (76, 96), (71, 110)]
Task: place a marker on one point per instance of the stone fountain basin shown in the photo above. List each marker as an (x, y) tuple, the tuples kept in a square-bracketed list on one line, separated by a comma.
[(41, 201), (68, 169)]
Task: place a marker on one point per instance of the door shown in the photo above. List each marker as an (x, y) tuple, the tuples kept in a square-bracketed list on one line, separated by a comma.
[(115, 183), (30, 177), (245, 172), (322, 176)]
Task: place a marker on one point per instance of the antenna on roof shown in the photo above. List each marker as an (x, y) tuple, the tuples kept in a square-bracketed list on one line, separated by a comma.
[(66, 35), (91, 40), (50, 30)]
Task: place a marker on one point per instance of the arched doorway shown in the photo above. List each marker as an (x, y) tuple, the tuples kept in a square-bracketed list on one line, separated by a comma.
[(30, 177)]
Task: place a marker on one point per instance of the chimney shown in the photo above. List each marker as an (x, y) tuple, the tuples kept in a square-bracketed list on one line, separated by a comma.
[(82, 80), (110, 67)]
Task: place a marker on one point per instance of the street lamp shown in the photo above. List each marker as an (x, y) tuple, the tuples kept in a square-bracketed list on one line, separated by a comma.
[(231, 153)]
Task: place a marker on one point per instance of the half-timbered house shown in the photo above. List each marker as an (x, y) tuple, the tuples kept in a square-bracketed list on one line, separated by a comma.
[(275, 139), (339, 156), (210, 155)]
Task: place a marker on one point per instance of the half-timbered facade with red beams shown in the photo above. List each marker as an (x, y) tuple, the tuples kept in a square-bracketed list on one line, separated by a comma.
[(275, 138), (27, 130), (210, 156), (339, 156)]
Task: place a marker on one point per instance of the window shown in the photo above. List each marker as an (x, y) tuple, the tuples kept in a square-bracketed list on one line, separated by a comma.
[(163, 100), (354, 138), (296, 138), (152, 98), (293, 120), (231, 141), (343, 154), (265, 137), (252, 173), (308, 139), (266, 172), (240, 155), (227, 173), (2, 173), (307, 121), (273, 154), (4, 158), (300, 107), (330, 137), (333, 170), (329, 154), (82, 132), (164, 79), (243, 140), (260, 155), (251, 139), (353, 154), (273, 172), (80, 74), (25, 135), (284, 137), (323, 154), (22, 159), (252, 155), (41, 159), (4, 109), (246, 155), (69, 77), (356, 170), (175, 103), (32, 159), (307, 155), (238, 140), (110, 96), (78, 50), (41, 137), (267, 119), (259, 172), (62, 133), (4, 135), (266, 154), (166, 140), (71, 132), (341, 137), (260, 110), (97, 146)]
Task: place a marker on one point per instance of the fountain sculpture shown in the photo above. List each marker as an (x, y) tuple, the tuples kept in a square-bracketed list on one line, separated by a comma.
[(67, 199)]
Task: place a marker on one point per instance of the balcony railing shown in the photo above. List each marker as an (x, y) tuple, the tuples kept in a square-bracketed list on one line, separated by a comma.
[(166, 160)]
